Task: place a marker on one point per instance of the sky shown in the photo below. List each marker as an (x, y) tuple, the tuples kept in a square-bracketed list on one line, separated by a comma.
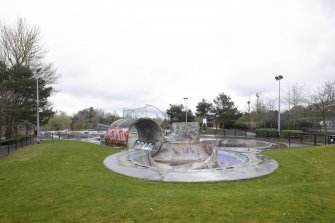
[(128, 53)]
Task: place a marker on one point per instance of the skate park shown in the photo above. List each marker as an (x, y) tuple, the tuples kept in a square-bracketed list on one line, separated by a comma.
[(183, 155)]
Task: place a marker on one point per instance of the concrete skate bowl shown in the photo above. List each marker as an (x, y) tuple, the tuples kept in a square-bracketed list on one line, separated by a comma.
[(244, 143), (189, 156), (189, 159)]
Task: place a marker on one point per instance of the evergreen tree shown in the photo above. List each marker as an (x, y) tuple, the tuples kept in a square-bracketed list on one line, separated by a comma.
[(176, 114), (204, 108), (18, 98), (225, 110)]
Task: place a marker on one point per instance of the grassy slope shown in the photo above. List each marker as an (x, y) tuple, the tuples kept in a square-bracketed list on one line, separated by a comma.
[(65, 181)]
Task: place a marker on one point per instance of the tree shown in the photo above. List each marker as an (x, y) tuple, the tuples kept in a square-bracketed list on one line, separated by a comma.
[(324, 102), (225, 110), (260, 109), (109, 118), (203, 108), (59, 121), (21, 45), (3, 79), (18, 98), (176, 114), (302, 118), (21, 55), (89, 118), (295, 99)]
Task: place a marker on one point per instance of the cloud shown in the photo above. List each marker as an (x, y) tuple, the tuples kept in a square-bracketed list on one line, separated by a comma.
[(117, 54)]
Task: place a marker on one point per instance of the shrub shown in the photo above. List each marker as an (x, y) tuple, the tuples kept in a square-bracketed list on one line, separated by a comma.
[(286, 133), (266, 132), (240, 125)]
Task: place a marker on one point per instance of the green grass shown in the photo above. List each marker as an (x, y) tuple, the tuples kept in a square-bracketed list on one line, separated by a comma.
[(66, 181)]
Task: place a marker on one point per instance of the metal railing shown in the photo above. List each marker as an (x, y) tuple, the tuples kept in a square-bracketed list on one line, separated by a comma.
[(291, 138), (72, 135), (288, 138), (84, 136), (11, 148), (226, 132)]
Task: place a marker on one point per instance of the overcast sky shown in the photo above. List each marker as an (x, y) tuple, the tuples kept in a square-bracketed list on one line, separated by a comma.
[(128, 53)]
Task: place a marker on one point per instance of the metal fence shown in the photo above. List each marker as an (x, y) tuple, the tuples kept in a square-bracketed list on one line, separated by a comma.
[(226, 132), (8, 149), (288, 138), (84, 136), (298, 138), (72, 135)]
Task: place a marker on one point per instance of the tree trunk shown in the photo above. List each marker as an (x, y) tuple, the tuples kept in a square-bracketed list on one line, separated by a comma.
[(9, 128), (324, 125)]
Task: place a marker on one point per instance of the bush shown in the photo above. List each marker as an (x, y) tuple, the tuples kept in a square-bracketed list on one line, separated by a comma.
[(266, 132), (240, 126), (285, 133)]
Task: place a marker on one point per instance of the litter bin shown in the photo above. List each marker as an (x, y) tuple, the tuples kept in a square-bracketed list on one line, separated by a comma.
[(331, 139)]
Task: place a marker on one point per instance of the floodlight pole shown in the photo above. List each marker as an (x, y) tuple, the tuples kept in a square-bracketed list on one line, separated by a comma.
[(278, 78), (37, 109), (186, 107), (248, 102)]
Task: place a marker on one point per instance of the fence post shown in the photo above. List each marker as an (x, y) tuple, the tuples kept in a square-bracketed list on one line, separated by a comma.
[(8, 149), (314, 139)]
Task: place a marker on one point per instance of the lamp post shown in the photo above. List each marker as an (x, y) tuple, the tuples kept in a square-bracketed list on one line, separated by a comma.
[(248, 102), (257, 107), (37, 108), (258, 119), (186, 107), (278, 78)]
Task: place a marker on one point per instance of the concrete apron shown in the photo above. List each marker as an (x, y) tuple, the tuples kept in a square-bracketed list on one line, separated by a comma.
[(257, 165)]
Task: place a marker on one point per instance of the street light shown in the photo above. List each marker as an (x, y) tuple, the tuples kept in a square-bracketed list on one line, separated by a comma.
[(186, 107), (278, 78), (37, 108), (257, 107), (248, 102)]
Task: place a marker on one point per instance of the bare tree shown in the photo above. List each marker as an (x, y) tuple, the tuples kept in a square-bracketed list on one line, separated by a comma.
[(296, 98), (20, 44), (324, 102), (269, 104), (21, 55), (259, 109)]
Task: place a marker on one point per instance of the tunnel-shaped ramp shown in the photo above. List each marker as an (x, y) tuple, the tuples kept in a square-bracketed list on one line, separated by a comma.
[(150, 134)]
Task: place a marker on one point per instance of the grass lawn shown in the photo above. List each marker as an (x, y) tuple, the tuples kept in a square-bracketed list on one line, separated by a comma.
[(66, 181)]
